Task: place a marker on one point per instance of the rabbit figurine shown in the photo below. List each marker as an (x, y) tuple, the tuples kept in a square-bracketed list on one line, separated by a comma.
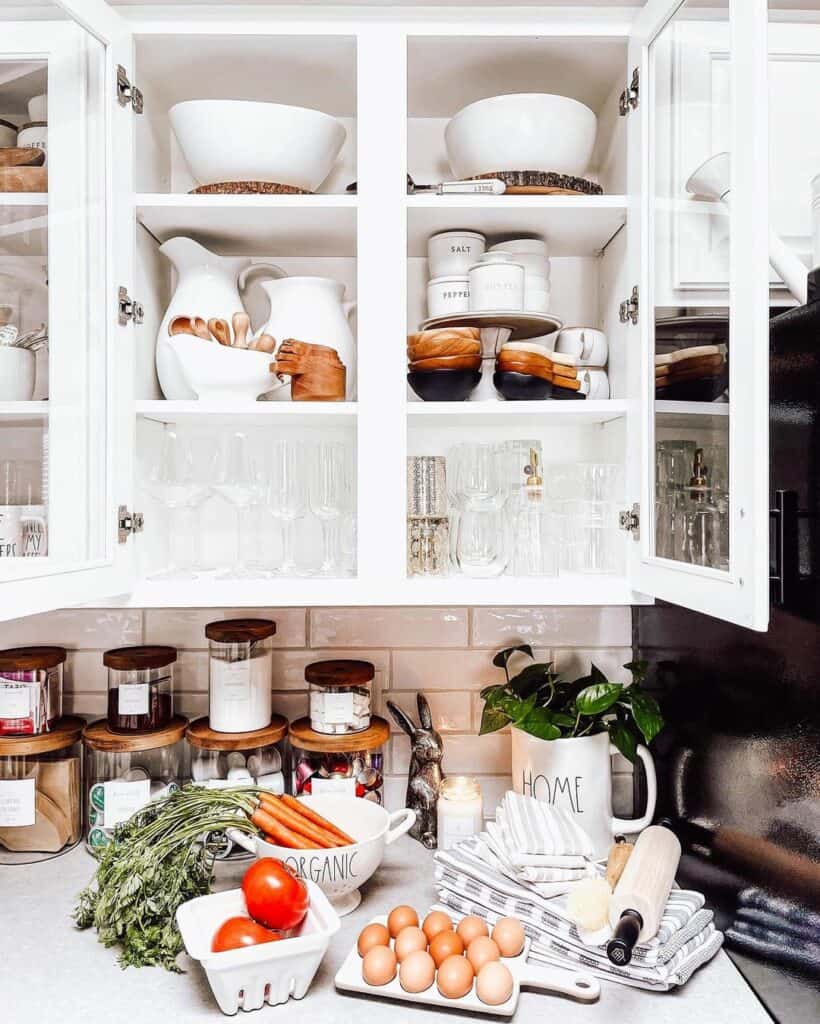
[(425, 770)]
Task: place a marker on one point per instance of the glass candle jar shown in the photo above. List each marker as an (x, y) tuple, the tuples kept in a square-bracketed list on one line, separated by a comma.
[(31, 689), (123, 773), (41, 793), (339, 696), (140, 688), (460, 810), (351, 765), (239, 672)]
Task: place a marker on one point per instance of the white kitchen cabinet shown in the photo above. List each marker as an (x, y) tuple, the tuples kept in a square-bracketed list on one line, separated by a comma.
[(393, 77)]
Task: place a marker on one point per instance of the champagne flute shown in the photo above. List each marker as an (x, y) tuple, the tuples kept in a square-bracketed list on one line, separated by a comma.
[(331, 497), (287, 495), (239, 480)]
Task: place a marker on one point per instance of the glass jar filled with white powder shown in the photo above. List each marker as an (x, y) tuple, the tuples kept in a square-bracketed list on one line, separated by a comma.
[(239, 671), (339, 696)]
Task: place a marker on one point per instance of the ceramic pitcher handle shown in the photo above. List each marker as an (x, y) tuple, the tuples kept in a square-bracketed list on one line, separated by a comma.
[(400, 822), (272, 271), (639, 824), (241, 839)]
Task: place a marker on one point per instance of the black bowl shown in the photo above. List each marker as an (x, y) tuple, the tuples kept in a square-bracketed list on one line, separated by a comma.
[(706, 389), (521, 387), (443, 385)]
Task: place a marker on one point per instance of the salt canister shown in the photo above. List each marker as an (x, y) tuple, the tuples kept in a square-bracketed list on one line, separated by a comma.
[(496, 283), (339, 696), (239, 672)]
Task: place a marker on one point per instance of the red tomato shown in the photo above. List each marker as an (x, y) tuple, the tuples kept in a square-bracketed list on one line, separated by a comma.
[(241, 931), (275, 896)]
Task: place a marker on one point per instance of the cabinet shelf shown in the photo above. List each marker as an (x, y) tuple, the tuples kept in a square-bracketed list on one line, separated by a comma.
[(291, 413), (533, 413), (22, 414), (693, 415)]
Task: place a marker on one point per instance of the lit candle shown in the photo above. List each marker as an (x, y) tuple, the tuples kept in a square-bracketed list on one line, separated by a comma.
[(460, 810)]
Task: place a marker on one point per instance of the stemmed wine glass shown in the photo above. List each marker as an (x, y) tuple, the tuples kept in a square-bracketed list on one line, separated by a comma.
[(331, 497), (287, 495), (239, 479)]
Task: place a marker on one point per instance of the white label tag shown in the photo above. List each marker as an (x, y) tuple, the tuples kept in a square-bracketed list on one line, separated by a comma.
[(338, 787), (17, 802), (15, 700), (133, 699), (234, 680), (122, 799), (338, 708)]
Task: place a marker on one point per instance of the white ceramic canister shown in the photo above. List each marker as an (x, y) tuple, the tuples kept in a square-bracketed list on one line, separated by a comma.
[(38, 108), (239, 670), (532, 253), (587, 344), (815, 212), (448, 295), (8, 134), (34, 135), (536, 294), (452, 253), (17, 374), (496, 283)]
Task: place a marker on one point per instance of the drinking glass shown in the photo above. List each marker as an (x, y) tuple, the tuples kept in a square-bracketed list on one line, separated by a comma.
[(239, 479), (331, 497), (535, 539), (287, 495), (482, 547), (476, 476)]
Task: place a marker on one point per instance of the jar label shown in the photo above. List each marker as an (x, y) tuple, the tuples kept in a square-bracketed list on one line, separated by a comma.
[(133, 698), (335, 787), (15, 699), (338, 709), (17, 802), (122, 799), (232, 680)]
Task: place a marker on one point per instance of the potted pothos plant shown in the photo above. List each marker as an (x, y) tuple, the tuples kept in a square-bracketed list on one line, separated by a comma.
[(563, 733)]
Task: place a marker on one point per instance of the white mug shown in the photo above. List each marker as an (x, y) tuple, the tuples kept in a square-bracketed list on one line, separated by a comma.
[(587, 344), (16, 530), (576, 775)]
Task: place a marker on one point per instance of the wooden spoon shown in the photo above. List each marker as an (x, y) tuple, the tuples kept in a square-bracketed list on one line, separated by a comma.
[(264, 343), (241, 326), (220, 330), (189, 325)]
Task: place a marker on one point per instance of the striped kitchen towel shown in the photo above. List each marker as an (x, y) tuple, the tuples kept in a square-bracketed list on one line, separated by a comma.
[(548, 881), (533, 829)]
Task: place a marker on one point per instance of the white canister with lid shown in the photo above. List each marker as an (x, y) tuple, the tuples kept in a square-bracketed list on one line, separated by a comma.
[(448, 295), (239, 672), (452, 253), (34, 135), (496, 283), (8, 134)]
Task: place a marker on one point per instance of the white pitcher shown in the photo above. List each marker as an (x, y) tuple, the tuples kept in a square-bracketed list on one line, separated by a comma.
[(208, 286), (312, 309)]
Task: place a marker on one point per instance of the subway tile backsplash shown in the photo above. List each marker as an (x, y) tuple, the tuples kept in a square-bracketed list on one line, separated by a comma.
[(444, 652)]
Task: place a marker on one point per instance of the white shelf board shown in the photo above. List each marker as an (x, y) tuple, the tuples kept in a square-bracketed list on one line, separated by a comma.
[(573, 225), (254, 225), (547, 413), (291, 413), (22, 414), (708, 415), (23, 199)]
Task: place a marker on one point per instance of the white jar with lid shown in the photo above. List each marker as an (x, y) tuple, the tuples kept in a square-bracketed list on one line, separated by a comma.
[(239, 672), (447, 296), (496, 283), (459, 811), (452, 253)]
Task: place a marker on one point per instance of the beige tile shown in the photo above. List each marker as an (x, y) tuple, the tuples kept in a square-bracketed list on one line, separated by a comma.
[(192, 705), (493, 788), (89, 705), (289, 666), (85, 672), (575, 662), (388, 627), (291, 704), (97, 628), (185, 627), (191, 671), (451, 711), (463, 754), (552, 626), (450, 670)]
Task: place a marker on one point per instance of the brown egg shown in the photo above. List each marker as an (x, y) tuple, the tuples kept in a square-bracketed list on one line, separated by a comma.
[(372, 935), (494, 984), (471, 927), (481, 951), (455, 977), (446, 944), (401, 917), (409, 940), (435, 922), (379, 966), (417, 972), (509, 936)]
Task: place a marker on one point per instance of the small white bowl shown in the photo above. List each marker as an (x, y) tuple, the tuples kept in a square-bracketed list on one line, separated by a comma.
[(448, 295), (221, 373), (452, 253), (38, 108), (17, 374), (531, 253)]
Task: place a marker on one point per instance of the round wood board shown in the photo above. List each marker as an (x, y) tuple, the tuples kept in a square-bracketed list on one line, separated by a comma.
[(303, 737), (236, 188), (200, 734)]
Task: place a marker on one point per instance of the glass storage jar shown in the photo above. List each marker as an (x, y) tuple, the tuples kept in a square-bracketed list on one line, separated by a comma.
[(41, 793), (239, 672), (339, 696), (31, 689), (123, 773), (140, 688), (351, 765)]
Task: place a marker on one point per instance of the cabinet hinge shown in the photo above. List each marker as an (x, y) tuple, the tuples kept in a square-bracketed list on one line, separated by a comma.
[(128, 94), (128, 523), (630, 520), (128, 308), (630, 309), (631, 96)]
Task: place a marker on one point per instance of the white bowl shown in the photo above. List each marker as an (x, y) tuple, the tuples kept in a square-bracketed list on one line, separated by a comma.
[(17, 374), (339, 872), (38, 108), (241, 140), (221, 373), (521, 132)]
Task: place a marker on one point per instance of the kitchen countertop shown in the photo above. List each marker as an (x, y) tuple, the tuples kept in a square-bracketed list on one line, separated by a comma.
[(51, 971)]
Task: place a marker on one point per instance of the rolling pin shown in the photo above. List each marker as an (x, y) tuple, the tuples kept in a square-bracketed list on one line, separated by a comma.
[(640, 896)]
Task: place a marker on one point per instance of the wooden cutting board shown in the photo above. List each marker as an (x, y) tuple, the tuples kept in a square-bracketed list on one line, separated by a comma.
[(22, 156), (544, 183), (23, 179)]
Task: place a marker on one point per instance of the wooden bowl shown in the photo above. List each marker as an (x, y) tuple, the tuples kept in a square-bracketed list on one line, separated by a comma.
[(434, 349), (22, 156), (446, 363)]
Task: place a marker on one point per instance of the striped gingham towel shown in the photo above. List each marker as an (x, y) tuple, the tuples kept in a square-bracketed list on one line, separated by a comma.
[(548, 881), (533, 829)]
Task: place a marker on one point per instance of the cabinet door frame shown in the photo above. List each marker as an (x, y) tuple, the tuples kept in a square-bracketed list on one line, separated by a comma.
[(740, 595)]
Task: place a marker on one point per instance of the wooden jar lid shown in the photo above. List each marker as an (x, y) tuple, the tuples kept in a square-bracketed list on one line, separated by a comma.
[(65, 732), (339, 673), (240, 631), (303, 737), (200, 734), (29, 659), (135, 658), (98, 736)]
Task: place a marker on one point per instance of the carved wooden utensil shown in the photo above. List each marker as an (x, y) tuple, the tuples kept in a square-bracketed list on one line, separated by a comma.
[(241, 325), (264, 343), (220, 330), (189, 325)]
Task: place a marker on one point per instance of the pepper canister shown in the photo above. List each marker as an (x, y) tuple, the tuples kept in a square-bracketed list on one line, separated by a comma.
[(31, 689), (220, 759), (496, 283), (124, 773), (41, 793), (140, 688), (239, 672), (339, 696), (350, 765)]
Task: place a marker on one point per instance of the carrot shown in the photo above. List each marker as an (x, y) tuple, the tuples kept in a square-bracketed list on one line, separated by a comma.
[(279, 834), (297, 823), (317, 819)]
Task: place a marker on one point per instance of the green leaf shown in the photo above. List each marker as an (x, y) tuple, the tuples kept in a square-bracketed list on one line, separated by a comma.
[(638, 670), (647, 714), (493, 694), (597, 676), (520, 709), (624, 739), (530, 679), (501, 659), (539, 723), (597, 698), (492, 720)]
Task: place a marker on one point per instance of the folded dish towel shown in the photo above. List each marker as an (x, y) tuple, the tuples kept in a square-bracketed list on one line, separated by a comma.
[(776, 929), (533, 828)]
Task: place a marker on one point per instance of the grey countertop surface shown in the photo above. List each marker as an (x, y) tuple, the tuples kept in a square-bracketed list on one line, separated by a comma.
[(51, 971)]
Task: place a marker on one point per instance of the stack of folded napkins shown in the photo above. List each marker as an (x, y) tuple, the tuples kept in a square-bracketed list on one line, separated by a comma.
[(776, 929)]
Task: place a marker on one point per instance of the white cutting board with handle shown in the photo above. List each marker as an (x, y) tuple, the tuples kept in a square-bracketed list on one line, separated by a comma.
[(581, 987)]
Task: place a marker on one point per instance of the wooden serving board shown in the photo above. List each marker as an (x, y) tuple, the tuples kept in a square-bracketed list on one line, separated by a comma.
[(23, 179), (22, 156), (237, 188), (544, 183)]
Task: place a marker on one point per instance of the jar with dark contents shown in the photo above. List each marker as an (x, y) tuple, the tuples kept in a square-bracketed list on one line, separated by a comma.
[(31, 689), (348, 765), (140, 688)]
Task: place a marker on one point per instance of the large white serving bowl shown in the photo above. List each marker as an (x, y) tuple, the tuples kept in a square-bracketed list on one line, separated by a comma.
[(220, 373), (243, 140), (339, 872), (521, 132)]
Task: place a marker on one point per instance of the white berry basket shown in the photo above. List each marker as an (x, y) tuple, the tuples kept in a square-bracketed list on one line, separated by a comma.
[(271, 972)]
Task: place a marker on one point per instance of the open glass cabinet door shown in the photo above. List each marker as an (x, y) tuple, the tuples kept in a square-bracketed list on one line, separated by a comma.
[(698, 185), (65, 407)]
